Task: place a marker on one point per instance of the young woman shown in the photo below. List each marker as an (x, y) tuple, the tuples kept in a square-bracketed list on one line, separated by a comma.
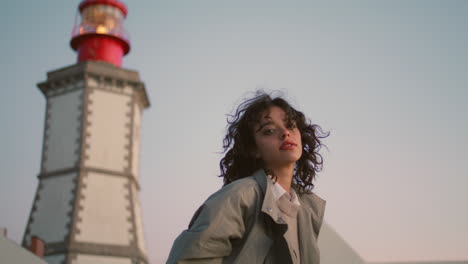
[(266, 211)]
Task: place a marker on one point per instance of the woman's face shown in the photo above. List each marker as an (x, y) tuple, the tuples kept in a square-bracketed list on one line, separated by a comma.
[(278, 141)]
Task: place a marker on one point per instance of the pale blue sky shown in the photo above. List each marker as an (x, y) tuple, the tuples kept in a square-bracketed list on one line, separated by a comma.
[(388, 79)]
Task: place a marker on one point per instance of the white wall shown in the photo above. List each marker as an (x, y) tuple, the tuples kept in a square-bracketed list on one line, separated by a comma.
[(104, 214), (51, 216), (108, 134), (63, 123)]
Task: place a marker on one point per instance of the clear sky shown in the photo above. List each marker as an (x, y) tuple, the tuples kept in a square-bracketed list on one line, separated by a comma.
[(387, 78)]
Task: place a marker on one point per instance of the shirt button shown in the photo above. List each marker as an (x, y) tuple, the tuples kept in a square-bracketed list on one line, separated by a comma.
[(269, 209)]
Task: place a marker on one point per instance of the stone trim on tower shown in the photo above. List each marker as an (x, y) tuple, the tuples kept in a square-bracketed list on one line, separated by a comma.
[(86, 69), (45, 134), (132, 219), (59, 173), (27, 232), (98, 249), (78, 181)]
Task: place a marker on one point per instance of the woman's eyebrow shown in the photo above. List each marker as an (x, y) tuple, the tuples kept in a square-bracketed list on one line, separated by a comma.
[(264, 124)]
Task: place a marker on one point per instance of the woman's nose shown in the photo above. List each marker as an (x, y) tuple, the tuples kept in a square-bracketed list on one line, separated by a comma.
[(285, 132)]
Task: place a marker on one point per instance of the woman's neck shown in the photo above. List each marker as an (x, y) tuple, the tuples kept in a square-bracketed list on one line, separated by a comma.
[(284, 176)]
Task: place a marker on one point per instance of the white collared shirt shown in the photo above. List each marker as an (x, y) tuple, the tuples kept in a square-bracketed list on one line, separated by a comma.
[(279, 191)]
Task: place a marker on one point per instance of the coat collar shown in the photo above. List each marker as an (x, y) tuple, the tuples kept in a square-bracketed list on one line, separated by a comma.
[(314, 205)]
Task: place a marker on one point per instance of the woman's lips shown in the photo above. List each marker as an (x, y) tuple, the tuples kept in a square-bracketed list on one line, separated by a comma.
[(287, 145)]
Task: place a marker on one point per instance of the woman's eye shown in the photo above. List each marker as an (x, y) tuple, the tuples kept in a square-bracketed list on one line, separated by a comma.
[(269, 131)]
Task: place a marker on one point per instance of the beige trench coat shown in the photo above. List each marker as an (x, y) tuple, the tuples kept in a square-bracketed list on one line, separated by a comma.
[(240, 224)]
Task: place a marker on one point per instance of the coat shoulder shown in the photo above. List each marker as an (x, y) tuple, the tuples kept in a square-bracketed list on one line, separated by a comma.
[(316, 200), (243, 187)]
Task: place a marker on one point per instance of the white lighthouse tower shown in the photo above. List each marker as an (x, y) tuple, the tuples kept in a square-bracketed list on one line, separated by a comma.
[(86, 207)]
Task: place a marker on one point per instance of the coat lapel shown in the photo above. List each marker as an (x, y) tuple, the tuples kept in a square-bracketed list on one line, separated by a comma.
[(269, 205)]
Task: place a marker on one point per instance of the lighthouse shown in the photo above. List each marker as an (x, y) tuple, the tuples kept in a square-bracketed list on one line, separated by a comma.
[(86, 208)]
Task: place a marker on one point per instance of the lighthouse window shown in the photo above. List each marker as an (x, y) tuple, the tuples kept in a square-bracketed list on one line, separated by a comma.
[(101, 19), (102, 16)]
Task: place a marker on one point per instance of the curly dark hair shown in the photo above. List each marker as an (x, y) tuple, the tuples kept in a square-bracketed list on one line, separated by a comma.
[(239, 142)]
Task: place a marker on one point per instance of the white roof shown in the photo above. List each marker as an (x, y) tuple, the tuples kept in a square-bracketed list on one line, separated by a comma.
[(334, 249), (10, 252)]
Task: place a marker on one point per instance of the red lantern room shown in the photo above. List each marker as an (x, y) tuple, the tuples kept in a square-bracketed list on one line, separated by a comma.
[(100, 34)]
